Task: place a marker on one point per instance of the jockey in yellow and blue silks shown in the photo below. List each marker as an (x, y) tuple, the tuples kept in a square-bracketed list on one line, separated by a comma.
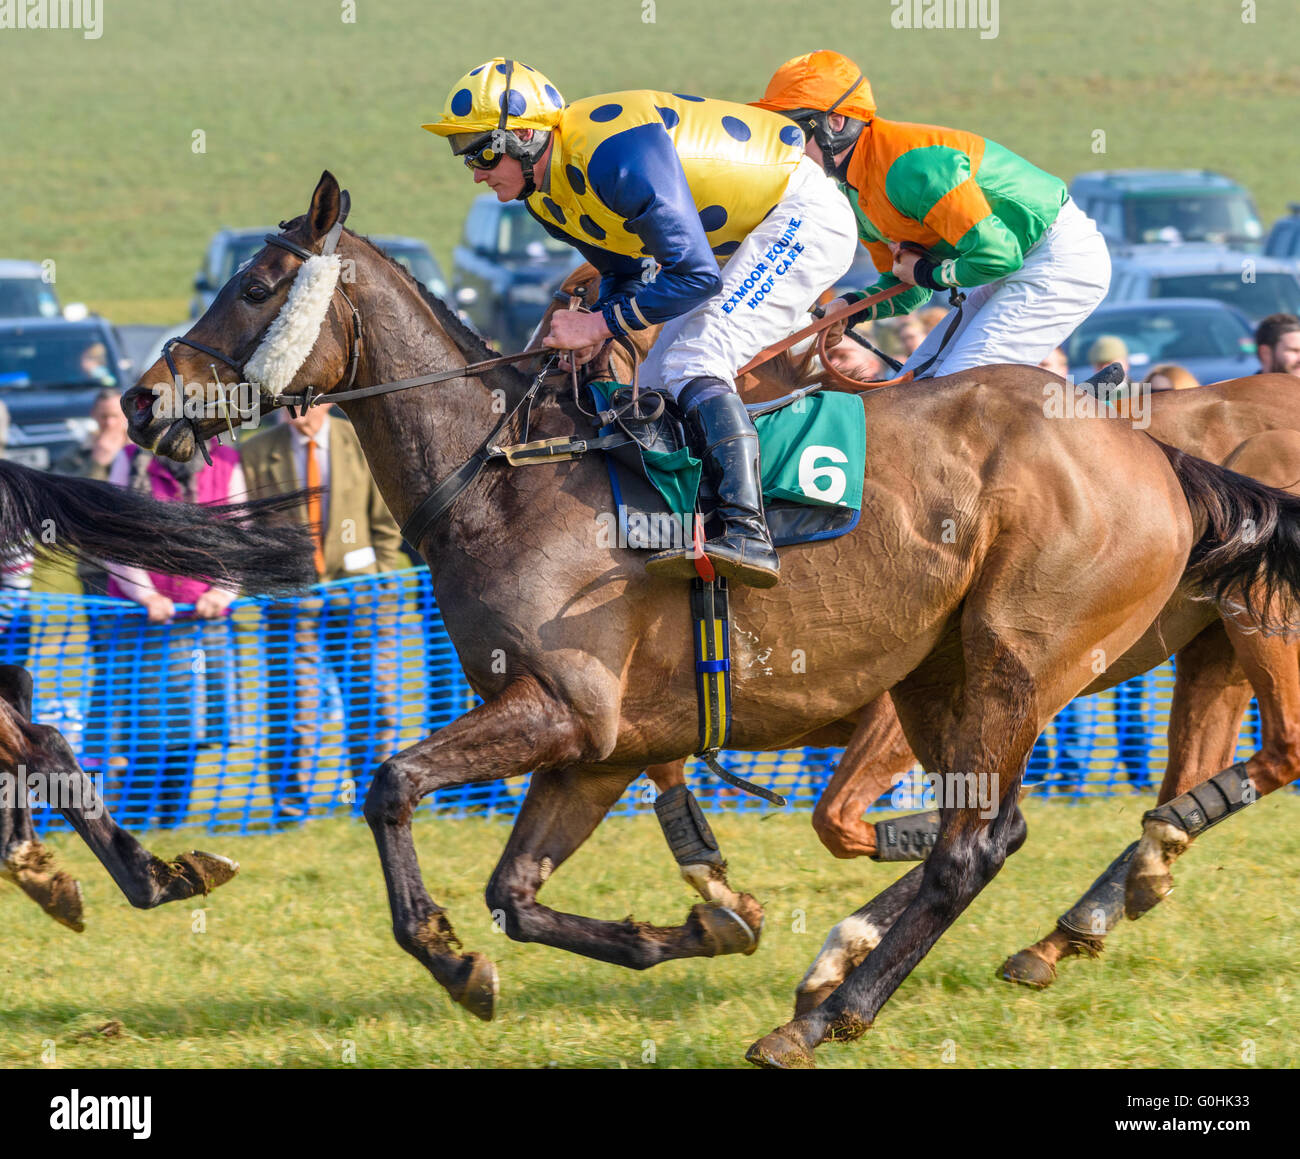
[(657, 190)]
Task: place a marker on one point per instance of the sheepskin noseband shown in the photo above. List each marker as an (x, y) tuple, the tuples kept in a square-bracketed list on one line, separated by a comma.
[(292, 336)]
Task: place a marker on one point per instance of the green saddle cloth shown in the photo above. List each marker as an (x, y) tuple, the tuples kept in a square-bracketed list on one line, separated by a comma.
[(813, 452)]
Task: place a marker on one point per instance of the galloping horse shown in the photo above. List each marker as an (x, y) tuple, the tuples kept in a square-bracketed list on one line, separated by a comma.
[(1251, 425), (581, 658), (229, 546)]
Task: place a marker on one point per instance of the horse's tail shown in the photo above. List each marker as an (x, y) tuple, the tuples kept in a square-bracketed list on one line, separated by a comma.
[(228, 546), (1248, 554)]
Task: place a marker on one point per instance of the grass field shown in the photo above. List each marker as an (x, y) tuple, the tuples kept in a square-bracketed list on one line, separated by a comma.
[(297, 959), (101, 176)]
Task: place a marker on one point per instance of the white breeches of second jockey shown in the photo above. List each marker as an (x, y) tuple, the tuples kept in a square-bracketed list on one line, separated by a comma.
[(801, 248), (1024, 316)]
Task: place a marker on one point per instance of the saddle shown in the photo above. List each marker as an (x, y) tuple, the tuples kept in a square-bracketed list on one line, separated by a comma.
[(655, 479)]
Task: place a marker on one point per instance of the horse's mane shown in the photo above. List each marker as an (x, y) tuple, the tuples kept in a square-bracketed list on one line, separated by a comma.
[(467, 340)]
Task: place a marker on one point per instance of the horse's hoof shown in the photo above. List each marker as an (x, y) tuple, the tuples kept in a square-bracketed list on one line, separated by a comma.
[(1145, 892), (777, 1051), (207, 871), (478, 990), (1028, 969), (808, 1000), (725, 931), (751, 913), (65, 903)]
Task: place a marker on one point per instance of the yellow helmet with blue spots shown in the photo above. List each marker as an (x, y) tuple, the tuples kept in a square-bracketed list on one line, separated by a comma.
[(498, 94)]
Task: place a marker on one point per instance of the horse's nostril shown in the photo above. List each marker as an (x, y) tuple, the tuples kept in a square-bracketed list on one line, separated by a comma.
[(142, 402)]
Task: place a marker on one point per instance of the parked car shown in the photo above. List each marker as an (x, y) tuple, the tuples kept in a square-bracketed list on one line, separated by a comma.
[(1215, 342), (1283, 241), (24, 292), (50, 371), (1255, 285), (1162, 206), (231, 248), (504, 269)]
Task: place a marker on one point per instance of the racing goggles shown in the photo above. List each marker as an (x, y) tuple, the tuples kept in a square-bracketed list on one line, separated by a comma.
[(477, 150)]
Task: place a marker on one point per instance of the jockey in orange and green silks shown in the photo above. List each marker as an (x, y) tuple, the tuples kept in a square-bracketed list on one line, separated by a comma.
[(984, 219)]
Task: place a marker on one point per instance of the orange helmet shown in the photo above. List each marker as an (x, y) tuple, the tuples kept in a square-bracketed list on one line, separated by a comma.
[(822, 82)]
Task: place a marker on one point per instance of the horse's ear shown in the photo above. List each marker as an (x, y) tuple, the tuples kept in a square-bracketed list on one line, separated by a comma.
[(16, 689), (345, 206), (326, 203)]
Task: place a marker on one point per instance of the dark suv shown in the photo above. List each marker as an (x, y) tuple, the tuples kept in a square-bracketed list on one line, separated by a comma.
[(231, 248), (504, 269), (1162, 206), (50, 372)]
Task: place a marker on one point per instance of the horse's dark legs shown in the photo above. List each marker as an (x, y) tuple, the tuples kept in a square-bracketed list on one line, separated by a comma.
[(1211, 693), (1272, 666), (848, 943), (25, 861), (521, 729), (562, 809), (987, 737), (707, 877)]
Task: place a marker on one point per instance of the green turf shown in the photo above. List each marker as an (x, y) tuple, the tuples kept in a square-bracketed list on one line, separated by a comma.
[(297, 958), (100, 174)]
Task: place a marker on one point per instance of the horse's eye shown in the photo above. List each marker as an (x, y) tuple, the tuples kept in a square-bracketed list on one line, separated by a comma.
[(256, 293)]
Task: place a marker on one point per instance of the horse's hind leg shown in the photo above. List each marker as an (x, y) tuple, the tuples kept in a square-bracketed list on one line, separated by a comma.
[(1211, 694), (1272, 665), (561, 810), (145, 880), (691, 841), (521, 729)]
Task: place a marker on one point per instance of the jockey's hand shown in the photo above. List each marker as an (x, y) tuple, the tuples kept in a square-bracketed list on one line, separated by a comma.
[(212, 603), (158, 608), (904, 262), (581, 333), (835, 331)]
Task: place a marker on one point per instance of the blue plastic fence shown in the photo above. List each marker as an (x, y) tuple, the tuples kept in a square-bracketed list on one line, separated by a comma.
[(284, 709)]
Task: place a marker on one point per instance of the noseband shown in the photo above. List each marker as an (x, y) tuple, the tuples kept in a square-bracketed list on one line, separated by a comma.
[(330, 245)]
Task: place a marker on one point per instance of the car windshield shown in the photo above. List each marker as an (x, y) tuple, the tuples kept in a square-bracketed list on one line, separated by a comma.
[(1266, 294), (78, 357), (520, 235), (237, 253), (419, 263), (1196, 218), (1152, 336), (27, 298)]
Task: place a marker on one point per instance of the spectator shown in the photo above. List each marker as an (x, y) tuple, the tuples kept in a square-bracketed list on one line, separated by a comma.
[(16, 562), (1057, 362), (92, 460), (94, 364), (1108, 349), (1171, 376), (177, 665), (350, 631), (1277, 339)]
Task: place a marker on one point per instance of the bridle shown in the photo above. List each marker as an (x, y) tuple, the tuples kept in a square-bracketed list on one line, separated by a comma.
[(354, 358)]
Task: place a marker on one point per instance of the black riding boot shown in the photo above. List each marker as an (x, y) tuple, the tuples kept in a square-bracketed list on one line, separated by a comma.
[(721, 432)]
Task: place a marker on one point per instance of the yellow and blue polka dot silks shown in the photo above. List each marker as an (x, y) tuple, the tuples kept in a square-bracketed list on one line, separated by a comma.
[(656, 188)]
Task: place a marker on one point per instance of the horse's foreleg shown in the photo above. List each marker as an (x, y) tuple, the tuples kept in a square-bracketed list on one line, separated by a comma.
[(521, 729), (561, 810), (1211, 694), (691, 841), (25, 861), (874, 757), (1272, 665)]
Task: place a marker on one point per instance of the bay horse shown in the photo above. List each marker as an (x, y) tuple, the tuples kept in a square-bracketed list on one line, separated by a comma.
[(582, 660), (229, 546), (1251, 425)]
